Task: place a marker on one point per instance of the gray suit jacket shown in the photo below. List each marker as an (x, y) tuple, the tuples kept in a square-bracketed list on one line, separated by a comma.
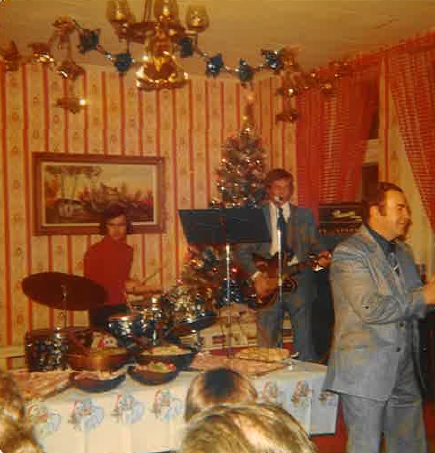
[(376, 315)]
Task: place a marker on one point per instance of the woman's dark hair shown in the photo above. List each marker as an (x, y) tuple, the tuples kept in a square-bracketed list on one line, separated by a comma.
[(111, 212), (377, 198)]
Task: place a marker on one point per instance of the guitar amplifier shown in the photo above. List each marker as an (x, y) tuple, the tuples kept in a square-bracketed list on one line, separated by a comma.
[(338, 221)]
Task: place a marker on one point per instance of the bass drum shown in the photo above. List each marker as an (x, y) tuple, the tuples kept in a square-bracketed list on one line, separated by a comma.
[(46, 349)]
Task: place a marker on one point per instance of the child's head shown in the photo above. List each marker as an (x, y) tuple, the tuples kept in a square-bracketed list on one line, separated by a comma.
[(218, 386)]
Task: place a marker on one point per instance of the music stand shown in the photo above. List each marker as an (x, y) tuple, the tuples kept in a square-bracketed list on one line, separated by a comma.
[(225, 226)]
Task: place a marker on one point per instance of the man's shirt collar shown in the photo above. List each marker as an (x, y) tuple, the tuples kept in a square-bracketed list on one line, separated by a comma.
[(387, 246)]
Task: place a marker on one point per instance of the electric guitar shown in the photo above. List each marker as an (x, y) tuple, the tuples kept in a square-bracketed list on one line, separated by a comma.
[(270, 267)]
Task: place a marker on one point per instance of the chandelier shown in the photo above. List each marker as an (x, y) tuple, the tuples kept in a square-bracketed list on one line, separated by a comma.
[(162, 34)]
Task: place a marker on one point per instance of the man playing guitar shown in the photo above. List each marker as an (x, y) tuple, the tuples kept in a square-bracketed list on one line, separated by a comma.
[(297, 240)]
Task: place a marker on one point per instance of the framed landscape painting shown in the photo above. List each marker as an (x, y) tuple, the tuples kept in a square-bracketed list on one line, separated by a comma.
[(71, 191)]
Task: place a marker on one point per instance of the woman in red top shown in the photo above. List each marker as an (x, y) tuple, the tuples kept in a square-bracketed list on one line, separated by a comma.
[(108, 263)]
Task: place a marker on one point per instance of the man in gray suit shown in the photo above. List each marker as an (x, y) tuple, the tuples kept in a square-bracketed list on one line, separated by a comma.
[(378, 300), (300, 238)]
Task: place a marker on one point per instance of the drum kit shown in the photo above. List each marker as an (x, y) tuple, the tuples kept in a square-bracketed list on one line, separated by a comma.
[(152, 318)]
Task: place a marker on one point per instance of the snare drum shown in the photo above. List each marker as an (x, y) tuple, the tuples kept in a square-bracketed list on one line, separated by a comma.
[(45, 349)]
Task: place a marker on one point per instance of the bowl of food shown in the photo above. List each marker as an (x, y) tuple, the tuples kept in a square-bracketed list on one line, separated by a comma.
[(179, 356), (106, 359), (97, 381), (153, 373)]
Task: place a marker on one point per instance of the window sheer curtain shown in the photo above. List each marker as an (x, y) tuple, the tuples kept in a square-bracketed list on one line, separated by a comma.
[(332, 134), (411, 78)]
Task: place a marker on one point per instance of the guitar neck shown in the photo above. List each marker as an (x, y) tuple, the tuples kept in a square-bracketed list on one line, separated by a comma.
[(271, 265)]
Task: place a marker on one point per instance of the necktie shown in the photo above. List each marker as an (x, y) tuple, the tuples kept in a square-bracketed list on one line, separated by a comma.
[(392, 258), (281, 225)]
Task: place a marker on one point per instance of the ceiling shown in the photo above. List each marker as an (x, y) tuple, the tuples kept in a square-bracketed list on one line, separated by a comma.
[(320, 30)]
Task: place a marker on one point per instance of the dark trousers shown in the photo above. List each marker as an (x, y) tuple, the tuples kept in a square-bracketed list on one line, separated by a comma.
[(299, 307)]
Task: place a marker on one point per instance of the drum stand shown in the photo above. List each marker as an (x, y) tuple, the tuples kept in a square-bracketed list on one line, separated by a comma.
[(198, 341), (64, 292), (60, 342), (63, 313)]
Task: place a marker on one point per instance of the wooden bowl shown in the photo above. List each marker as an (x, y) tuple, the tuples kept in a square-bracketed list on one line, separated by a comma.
[(92, 384), (101, 360)]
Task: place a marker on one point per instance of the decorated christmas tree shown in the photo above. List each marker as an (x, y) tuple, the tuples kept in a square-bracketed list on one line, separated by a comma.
[(240, 177), (202, 286)]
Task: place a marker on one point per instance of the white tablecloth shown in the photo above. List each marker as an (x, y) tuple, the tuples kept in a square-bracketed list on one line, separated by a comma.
[(134, 418)]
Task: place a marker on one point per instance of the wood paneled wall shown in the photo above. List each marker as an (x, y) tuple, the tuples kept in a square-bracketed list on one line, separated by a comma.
[(186, 126)]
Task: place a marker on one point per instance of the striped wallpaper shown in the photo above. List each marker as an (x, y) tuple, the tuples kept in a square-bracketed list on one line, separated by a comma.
[(187, 127)]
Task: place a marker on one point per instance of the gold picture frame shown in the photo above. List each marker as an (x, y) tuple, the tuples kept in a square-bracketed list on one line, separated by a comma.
[(72, 190)]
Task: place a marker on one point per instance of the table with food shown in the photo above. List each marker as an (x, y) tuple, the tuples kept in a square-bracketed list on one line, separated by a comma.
[(124, 389), (137, 403)]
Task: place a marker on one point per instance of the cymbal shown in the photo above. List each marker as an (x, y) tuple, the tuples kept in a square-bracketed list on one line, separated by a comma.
[(63, 291)]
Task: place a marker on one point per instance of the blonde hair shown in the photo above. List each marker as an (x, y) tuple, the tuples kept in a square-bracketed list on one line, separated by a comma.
[(218, 386), (16, 435), (11, 401), (245, 428)]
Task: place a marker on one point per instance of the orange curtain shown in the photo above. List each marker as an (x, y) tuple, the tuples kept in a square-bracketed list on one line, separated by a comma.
[(332, 134), (310, 147), (411, 76)]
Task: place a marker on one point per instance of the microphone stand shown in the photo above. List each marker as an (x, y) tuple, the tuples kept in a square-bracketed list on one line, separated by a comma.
[(280, 285), (228, 285), (228, 290)]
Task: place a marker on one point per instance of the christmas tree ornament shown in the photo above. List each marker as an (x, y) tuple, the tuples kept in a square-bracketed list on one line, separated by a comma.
[(41, 53), (246, 72), (214, 65), (273, 59), (122, 61), (69, 69), (11, 56), (186, 47), (88, 40), (71, 103)]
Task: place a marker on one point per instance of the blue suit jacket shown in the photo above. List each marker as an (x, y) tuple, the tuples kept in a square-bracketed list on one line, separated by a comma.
[(376, 313), (302, 237)]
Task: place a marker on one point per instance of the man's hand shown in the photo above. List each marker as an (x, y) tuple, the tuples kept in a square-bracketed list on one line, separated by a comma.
[(264, 285), (324, 258), (137, 287)]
